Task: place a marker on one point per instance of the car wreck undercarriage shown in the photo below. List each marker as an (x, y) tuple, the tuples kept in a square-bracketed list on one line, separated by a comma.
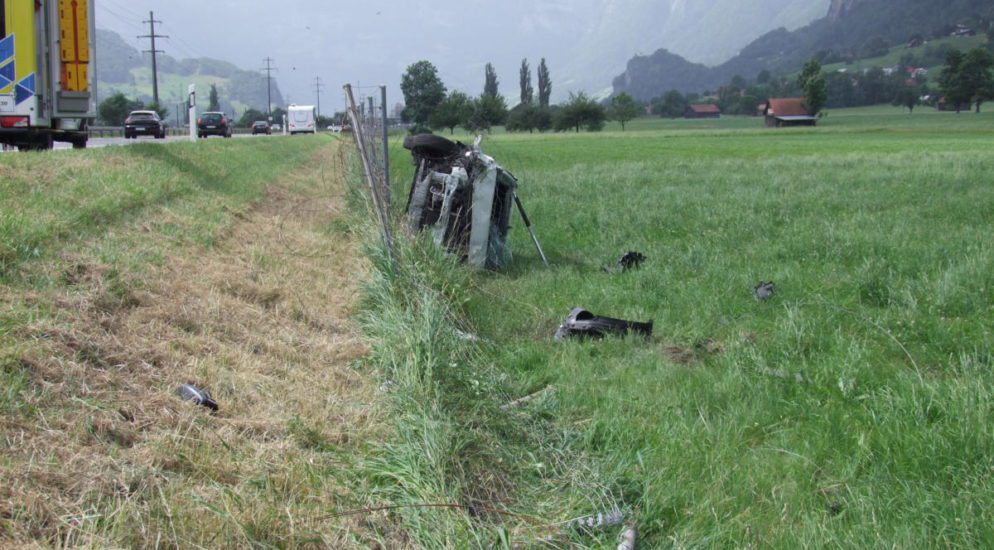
[(464, 199)]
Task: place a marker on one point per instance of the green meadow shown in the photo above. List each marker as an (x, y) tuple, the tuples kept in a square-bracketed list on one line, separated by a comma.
[(852, 409)]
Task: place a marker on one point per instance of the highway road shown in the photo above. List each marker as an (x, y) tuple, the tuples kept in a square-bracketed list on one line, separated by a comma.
[(96, 143)]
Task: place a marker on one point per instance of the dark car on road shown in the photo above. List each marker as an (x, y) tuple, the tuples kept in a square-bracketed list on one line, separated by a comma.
[(213, 124), (145, 123), (261, 127)]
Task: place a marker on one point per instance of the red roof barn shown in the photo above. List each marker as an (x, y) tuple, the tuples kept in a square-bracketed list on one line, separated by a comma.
[(702, 110), (788, 111)]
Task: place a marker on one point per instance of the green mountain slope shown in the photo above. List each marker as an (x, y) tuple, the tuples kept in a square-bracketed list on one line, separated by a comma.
[(851, 28), (122, 68)]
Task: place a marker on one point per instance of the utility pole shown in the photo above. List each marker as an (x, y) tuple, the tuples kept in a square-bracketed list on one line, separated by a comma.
[(317, 89), (155, 70), (269, 84)]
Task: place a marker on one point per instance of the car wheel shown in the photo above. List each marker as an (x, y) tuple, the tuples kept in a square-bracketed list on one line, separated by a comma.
[(431, 146)]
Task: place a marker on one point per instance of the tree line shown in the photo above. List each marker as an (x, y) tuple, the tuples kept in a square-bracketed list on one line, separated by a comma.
[(429, 105), (966, 80)]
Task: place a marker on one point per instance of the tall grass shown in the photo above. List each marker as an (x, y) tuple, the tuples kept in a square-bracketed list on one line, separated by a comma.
[(851, 409)]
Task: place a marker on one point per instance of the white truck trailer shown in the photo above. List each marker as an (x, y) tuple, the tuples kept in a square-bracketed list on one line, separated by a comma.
[(47, 74)]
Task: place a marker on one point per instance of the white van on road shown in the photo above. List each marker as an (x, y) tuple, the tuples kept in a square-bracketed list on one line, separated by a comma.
[(302, 119)]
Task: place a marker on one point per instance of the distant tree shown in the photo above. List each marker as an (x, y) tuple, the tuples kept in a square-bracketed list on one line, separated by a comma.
[(672, 105), (115, 109), (423, 91), (977, 76), (763, 77), (250, 116), (624, 108), (953, 82), (580, 111), (812, 82), (908, 97), (840, 89), (738, 82), (523, 118), (214, 103), (543, 119), (875, 47), (163, 111), (488, 111), (491, 84), (544, 85), (525, 78), (454, 111)]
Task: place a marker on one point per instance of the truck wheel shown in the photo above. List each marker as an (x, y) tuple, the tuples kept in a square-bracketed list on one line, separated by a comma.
[(79, 143)]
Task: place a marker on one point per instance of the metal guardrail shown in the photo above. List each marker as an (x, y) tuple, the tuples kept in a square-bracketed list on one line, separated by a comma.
[(118, 131)]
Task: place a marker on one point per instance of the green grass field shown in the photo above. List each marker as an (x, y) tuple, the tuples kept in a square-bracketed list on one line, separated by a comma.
[(853, 409)]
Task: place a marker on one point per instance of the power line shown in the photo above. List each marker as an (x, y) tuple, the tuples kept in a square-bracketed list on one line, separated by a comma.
[(269, 84), (155, 71)]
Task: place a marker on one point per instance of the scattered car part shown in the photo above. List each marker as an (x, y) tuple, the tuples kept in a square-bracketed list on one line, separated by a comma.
[(189, 392), (548, 391), (764, 290), (464, 199), (631, 260), (582, 323), (597, 521), (628, 537), (528, 225)]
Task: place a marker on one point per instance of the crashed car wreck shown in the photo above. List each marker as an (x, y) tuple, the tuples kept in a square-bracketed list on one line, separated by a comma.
[(464, 199)]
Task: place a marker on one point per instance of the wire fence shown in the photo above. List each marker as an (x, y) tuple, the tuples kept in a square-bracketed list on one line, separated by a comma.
[(370, 127)]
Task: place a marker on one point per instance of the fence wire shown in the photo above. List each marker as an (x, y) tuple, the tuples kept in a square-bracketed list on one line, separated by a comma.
[(370, 125)]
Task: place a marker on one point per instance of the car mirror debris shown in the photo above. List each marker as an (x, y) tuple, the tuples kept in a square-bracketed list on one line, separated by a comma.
[(584, 324), (199, 396)]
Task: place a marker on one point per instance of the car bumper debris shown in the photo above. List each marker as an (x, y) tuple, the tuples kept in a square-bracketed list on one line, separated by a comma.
[(584, 324)]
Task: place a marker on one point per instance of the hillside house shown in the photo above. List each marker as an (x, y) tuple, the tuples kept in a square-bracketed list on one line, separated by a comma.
[(963, 30), (702, 110), (788, 111)]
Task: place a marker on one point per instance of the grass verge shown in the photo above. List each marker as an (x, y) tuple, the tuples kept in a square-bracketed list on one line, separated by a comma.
[(849, 410), (225, 264)]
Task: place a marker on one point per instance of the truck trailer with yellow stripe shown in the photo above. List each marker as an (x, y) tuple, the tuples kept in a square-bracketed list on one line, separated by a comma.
[(46, 72)]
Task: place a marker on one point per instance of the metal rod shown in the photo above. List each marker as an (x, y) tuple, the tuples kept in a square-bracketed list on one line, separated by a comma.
[(528, 224), (386, 146)]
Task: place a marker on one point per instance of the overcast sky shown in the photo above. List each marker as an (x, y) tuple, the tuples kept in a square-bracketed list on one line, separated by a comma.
[(371, 42)]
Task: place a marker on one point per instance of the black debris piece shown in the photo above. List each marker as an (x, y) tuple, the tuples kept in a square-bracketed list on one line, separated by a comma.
[(582, 323), (631, 260), (764, 290), (189, 392)]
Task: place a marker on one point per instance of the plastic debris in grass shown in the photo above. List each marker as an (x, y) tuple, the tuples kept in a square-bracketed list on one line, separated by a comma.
[(631, 260), (199, 396), (764, 290), (584, 324)]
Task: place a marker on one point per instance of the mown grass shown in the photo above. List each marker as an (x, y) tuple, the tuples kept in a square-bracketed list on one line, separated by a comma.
[(132, 270), (852, 409)]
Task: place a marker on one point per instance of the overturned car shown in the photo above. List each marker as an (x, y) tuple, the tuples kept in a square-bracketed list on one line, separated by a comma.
[(464, 199)]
